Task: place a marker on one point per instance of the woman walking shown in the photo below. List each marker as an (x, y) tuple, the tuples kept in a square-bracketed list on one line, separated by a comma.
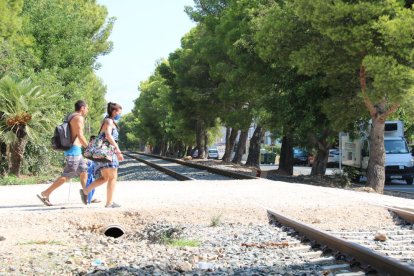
[(107, 172)]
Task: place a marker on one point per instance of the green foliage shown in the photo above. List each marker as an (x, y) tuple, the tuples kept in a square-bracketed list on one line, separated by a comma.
[(27, 180), (386, 72), (69, 35), (11, 37), (182, 242), (128, 138), (55, 43), (40, 159), (275, 149), (25, 106), (291, 65), (351, 174), (377, 35)]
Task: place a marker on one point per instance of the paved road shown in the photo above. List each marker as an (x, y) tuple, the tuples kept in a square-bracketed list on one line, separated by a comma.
[(298, 170), (395, 185)]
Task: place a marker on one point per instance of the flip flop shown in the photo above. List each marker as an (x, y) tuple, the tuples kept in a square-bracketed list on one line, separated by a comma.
[(95, 200), (84, 197), (45, 200)]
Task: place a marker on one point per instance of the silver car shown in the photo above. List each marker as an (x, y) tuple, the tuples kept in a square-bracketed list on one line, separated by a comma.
[(213, 154), (333, 157)]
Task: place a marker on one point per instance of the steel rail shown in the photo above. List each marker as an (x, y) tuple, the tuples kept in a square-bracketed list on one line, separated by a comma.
[(171, 173), (404, 214), (360, 253), (231, 174)]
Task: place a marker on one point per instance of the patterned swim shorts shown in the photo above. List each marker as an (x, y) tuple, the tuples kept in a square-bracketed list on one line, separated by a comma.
[(75, 165)]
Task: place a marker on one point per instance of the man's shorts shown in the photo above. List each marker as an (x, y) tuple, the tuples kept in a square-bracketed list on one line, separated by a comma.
[(75, 165)]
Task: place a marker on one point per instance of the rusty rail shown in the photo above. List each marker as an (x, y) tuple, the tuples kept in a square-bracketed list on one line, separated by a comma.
[(360, 253)]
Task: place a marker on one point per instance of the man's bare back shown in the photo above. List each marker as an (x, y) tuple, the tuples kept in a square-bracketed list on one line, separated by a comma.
[(76, 131)]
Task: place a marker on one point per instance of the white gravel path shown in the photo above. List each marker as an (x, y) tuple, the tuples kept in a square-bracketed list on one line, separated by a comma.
[(197, 200)]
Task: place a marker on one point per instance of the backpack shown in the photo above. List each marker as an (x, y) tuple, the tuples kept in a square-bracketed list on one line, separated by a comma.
[(61, 138)]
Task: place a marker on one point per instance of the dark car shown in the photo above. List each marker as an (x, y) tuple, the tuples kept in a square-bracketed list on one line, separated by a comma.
[(300, 156)]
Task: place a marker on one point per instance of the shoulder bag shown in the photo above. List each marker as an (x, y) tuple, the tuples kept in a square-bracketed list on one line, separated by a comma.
[(99, 149)]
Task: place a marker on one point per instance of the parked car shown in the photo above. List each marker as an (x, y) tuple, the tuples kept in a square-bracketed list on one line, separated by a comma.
[(333, 157), (213, 154), (300, 156)]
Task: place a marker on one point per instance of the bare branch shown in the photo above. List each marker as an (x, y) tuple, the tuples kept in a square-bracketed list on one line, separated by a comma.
[(391, 110), (367, 101)]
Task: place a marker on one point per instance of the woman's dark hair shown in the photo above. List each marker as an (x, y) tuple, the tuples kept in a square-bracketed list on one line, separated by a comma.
[(111, 107), (79, 104)]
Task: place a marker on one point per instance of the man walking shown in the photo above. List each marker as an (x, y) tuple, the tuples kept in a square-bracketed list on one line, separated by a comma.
[(75, 164)]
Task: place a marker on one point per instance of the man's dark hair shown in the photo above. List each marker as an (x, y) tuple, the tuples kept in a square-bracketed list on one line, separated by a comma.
[(79, 104)]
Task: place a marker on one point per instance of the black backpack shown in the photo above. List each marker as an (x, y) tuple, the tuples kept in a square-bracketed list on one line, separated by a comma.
[(61, 139)]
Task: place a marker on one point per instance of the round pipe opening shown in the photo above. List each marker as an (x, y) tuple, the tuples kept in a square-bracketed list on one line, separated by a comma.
[(114, 231)]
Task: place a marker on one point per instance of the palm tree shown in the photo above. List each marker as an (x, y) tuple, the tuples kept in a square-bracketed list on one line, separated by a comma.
[(26, 112)]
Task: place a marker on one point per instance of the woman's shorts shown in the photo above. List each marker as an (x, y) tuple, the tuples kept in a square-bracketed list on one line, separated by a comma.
[(106, 165)]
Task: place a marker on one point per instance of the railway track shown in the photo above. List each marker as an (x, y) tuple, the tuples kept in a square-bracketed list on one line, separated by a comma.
[(394, 256), (343, 253), (183, 171), (131, 170)]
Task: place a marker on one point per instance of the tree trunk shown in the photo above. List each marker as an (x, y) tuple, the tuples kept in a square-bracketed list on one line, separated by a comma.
[(181, 150), (320, 161), (253, 159), (286, 156), (230, 146), (157, 148), (241, 146), (17, 152), (379, 113), (205, 144), (163, 148), (199, 138), (3, 159), (375, 169), (189, 150), (228, 132), (8, 157)]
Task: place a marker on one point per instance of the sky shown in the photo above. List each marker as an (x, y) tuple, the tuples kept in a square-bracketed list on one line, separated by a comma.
[(144, 32)]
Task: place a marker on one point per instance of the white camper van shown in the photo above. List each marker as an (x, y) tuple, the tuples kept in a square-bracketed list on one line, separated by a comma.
[(398, 158)]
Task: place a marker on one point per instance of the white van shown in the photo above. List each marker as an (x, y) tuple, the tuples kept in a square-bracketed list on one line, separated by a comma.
[(398, 159)]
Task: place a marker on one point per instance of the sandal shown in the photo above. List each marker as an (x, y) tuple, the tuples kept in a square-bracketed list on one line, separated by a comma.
[(45, 200), (113, 205), (84, 197), (95, 200)]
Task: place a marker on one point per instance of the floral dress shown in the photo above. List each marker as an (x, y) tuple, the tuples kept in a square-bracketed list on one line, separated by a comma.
[(114, 164)]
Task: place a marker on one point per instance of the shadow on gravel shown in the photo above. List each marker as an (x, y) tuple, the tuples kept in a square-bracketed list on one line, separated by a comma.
[(44, 208), (262, 270), (18, 206), (141, 173), (53, 208), (125, 162), (128, 170)]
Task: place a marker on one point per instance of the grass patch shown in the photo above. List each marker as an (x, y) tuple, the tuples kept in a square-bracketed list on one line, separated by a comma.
[(215, 221), (41, 243), (182, 243), (25, 180)]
